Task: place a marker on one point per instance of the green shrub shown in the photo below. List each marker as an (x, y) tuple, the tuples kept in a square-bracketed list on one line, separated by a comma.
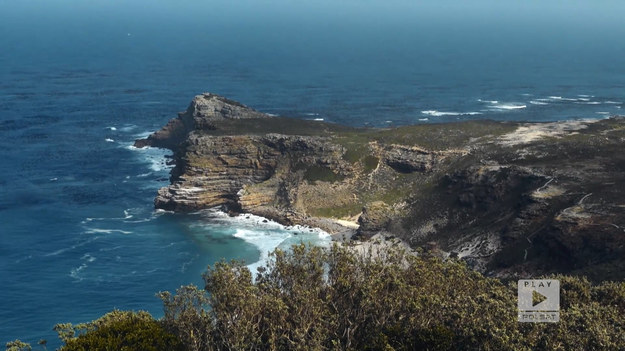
[(316, 173), (118, 330), (18, 345), (370, 163)]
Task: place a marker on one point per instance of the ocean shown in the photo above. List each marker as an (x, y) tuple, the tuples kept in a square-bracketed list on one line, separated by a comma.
[(80, 81)]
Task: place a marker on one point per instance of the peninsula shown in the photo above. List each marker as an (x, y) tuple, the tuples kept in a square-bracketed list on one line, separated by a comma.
[(511, 199)]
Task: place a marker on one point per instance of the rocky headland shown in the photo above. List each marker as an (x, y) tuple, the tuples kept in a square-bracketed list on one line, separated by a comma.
[(511, 199)]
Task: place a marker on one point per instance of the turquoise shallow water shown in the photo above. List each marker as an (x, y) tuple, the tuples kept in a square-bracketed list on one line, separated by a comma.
[(78, 83)]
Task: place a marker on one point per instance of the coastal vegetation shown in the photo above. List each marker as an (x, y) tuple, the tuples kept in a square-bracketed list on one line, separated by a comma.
[(312, 298)]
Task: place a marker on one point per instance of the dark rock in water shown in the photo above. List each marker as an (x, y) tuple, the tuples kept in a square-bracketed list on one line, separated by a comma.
[(510, 198)]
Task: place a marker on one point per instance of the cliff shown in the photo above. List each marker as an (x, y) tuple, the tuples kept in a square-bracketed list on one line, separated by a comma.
[(508, 198)]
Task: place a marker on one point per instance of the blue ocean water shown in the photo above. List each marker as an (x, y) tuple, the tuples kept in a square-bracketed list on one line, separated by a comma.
[(80, 81)]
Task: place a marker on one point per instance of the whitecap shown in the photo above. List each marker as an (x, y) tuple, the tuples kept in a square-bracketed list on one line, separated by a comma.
[(318, 119), (588, 102), (538, 102), (560, 98), (508, 106), (424, 119), (109, 140), (106, 231), (311, 114), (602, 113), (437, 113), (91, 219), (111, 128), (488, 101), (612, 102)]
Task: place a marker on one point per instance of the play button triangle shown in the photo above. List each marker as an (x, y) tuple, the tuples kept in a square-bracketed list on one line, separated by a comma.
[(537, 298)]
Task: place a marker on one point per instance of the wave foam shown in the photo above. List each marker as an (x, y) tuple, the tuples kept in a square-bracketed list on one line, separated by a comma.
[(87, 257), (267, 235), (265, 241), (75, 272), (538, 102), (508, 106), (106, 231), (437, 113), (580, 99), (155, 157), (488, 101)]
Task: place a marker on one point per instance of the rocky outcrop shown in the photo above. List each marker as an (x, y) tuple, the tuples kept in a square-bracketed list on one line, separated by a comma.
[(410, 159), (203, 112), (510, 199)]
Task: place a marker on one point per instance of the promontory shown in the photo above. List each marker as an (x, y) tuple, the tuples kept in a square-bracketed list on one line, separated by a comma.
[(509, 198)]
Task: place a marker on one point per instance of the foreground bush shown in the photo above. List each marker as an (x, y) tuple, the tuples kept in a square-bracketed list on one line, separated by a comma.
[(316, 299)]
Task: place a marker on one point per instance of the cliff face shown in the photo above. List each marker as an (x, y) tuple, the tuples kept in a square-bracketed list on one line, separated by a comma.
[(509, 198)]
